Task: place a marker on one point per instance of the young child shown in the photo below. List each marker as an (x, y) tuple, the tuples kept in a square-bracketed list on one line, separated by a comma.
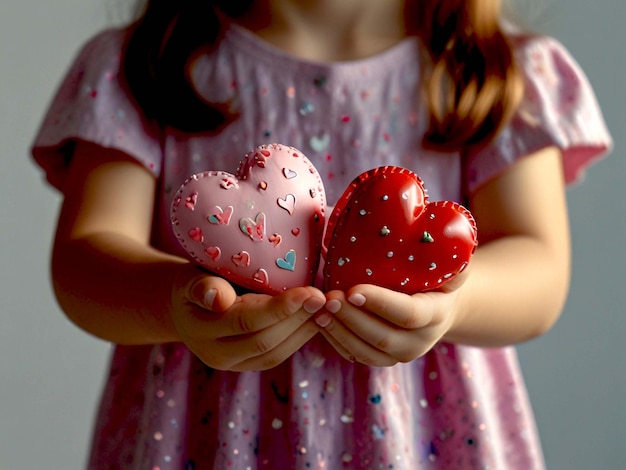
[(203, 376)]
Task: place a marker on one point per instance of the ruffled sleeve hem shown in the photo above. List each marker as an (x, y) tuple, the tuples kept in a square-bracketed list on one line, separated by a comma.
[(93, 105), (559, 110)]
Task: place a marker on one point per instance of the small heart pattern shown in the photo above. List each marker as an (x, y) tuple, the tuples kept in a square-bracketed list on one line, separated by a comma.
[(384, 231), (260, 228)]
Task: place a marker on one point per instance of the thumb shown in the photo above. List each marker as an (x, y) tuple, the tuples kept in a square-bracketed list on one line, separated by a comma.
[(211, 293)]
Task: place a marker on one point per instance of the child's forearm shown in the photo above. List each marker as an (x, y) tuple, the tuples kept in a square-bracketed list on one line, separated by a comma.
[(520, 273), (116, 288), (516, 291)]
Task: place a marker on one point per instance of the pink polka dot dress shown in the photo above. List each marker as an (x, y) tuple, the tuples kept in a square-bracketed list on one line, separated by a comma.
[(457, 407)]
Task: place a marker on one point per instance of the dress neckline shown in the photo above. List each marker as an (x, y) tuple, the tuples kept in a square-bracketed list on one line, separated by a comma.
[(255, 46)]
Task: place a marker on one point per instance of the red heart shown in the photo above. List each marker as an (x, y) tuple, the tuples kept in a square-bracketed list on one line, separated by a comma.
[(224, 221), (384, 231)]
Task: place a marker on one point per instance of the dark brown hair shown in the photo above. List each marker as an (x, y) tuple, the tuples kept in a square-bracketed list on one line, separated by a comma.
[(471, 88)]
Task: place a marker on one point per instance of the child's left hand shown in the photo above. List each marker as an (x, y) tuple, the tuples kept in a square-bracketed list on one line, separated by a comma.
[(380, 327)]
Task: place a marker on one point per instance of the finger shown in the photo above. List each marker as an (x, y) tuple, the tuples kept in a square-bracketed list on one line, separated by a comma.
[(263, 341), (280, 352), (367, 332), (211, 293), (360, 345), (230, 347), (257, 312), (408, 312), (343, 352), (353, 349), (337, 346), (203, 290)]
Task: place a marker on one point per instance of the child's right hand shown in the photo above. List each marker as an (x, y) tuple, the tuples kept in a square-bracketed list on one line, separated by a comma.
[(238, 333)]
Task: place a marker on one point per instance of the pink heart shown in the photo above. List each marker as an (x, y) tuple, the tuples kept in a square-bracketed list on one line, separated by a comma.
[(223, 220)]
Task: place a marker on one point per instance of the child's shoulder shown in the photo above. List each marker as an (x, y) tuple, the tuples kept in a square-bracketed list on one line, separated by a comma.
[(539, 54), (105, 44), (98, 60), (110, 37), (553, 77), (559, 108)]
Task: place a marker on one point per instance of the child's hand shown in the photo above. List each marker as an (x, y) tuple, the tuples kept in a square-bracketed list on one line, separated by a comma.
[(248, 332), (380, 327)]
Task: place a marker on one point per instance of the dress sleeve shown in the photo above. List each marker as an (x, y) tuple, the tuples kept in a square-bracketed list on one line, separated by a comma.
[(559, 109), (93, 104)]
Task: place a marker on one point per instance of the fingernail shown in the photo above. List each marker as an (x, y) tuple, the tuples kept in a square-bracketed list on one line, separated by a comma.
[(209, 297), (323, 320), (333, 305), (357, 299), (313, 304)]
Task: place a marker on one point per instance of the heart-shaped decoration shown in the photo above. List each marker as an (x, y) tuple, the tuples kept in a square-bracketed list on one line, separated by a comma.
[(260, 228), (384, 231)]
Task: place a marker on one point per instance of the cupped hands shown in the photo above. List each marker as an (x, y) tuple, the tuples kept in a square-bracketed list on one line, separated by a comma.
[(241, 332), (380, 327)]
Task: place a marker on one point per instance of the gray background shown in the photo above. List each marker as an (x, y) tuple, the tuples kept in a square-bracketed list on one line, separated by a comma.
[(51, 373)]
